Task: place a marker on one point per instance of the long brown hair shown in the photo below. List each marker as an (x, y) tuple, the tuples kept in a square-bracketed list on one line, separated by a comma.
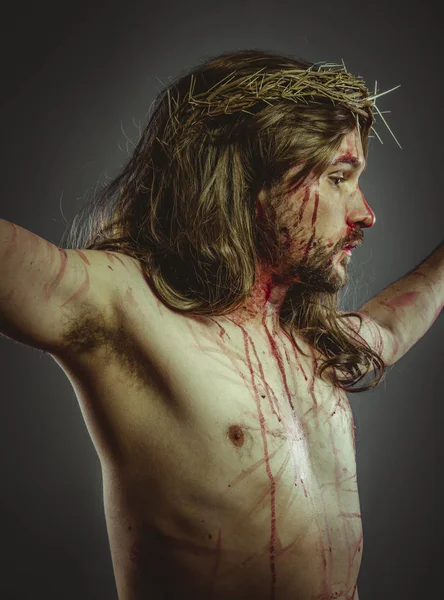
[(184, 205)]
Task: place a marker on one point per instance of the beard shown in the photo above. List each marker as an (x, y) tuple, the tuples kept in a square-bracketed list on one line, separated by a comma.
[(320, 273), (325, 278)]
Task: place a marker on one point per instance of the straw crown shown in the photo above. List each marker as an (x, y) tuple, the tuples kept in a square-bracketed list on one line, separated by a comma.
[(237, 93)]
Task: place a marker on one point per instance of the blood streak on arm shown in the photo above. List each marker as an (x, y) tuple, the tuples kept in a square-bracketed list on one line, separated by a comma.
[(113, 257), (410, 306), (402, 300), (49, 289), (83, 257), (83, 289)]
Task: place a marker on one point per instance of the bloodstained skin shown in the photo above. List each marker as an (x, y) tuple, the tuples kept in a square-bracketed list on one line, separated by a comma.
[(268, 470), (348, 157), (402, 300), (274, 545), (313, 222), (113, 257), (49, 289), (236, 434), (83, 256), (82, 289), (304, 202)]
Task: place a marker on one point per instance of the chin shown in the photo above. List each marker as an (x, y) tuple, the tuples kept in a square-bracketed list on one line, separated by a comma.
[(325, 281)]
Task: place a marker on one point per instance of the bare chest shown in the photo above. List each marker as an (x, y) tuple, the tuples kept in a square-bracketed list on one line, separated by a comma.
[(234, 464)]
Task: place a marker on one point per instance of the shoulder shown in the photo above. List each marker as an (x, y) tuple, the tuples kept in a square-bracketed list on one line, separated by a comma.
[(365, 329), (115, 276)]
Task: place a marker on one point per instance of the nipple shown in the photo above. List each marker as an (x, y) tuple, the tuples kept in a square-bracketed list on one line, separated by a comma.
[(236, 435)]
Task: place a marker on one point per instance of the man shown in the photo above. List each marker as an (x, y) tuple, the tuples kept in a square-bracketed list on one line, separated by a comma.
[(196, 318)]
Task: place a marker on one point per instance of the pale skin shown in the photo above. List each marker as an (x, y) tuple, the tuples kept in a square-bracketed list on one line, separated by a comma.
[(229, 467), (333, 213)]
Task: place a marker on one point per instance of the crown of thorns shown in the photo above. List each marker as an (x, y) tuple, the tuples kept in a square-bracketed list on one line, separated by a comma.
[(237, 93)]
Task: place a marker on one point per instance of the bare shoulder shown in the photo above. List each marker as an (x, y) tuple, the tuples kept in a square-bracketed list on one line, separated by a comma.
[(127, 278), (365, 328), (121, 279), (52, 297), (108, 365)]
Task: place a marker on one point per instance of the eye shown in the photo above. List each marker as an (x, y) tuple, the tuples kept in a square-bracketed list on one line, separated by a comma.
[(335, 179)]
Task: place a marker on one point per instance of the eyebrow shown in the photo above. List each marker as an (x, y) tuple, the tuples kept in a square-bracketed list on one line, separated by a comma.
[(349, 159)]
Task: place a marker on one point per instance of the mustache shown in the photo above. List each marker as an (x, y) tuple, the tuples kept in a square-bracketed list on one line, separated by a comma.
[(357, 240)]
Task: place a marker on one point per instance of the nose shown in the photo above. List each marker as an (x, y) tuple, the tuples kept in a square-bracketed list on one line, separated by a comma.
[(360, 212)]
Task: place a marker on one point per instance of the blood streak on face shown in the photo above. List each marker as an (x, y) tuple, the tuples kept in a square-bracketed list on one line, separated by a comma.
[(313, 221)]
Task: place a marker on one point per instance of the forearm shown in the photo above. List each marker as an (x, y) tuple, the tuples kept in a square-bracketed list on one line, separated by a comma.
[(410, 306)]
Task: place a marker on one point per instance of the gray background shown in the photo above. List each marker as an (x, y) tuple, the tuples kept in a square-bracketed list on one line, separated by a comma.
[(75, 83)]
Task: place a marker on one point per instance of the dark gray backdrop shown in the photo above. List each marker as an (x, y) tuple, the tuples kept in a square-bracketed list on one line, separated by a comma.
[(74, 84)]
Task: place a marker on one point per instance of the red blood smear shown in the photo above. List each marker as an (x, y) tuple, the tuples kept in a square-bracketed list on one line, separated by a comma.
[(248, 340), (304, 202), (50, 288), (83, 257), (348, 157), (313, 220), (402, 300)]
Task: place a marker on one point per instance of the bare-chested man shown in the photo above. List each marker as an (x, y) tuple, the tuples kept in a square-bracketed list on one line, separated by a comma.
[(201, 333)]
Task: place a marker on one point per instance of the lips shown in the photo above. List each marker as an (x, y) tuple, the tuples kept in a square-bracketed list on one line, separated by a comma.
[(348, 249), (351, 246)]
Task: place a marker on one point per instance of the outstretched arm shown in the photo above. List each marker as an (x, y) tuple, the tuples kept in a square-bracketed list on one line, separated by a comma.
[(46, 291), (404, 311)]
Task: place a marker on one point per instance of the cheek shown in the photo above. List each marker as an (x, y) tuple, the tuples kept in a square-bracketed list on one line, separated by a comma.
[(310, 214), (299, 219), (303, 208)]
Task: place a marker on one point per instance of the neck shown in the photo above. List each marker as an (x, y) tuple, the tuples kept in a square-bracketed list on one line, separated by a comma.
[(262, 308)]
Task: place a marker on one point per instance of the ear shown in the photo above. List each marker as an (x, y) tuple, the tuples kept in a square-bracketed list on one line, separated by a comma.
[(260, 200)]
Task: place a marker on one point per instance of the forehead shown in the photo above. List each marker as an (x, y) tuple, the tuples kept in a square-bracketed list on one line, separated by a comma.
[(350, 151), (352, 142)]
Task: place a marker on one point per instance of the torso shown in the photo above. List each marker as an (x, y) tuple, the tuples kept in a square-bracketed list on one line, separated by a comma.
[(229, 470)]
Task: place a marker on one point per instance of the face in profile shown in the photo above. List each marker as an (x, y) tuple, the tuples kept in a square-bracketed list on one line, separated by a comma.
[(320, 219)]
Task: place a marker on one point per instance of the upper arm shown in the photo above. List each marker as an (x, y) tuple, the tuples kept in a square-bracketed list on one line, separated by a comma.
[(378, 336), (45, 290)]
